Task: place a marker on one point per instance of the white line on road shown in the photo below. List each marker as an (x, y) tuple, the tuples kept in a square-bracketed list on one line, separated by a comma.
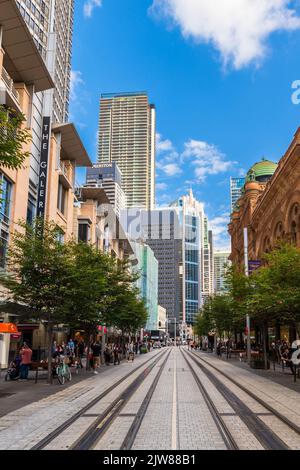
[(174, 414)]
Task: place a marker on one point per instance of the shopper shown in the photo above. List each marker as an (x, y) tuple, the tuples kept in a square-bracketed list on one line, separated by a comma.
[(26, 355), (96, 350)]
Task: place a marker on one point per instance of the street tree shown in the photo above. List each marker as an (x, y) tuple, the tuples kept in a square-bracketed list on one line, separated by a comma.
[(13, 137), (37, 275)]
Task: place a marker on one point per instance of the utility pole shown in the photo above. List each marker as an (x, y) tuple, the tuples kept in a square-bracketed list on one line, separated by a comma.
[(247, 274)]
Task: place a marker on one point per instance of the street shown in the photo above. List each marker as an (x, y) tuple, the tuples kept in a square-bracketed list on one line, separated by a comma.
[(170, 399)]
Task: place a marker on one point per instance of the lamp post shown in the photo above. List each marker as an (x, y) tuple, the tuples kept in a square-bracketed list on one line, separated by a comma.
[(248, 325)]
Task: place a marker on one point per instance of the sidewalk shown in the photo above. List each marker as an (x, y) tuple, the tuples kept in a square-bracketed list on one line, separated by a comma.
[(286, 379), (26, 426), (281, 394), (17, 394)]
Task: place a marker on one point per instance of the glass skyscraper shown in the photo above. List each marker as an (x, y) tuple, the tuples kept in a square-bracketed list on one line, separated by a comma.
[(236, 186)]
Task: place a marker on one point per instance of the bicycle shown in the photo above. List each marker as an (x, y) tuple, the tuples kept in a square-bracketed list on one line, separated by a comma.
[(63, 371)]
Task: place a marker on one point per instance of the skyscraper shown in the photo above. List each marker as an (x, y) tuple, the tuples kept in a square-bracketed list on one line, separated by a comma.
[(220, 262), (127, 136), (207, 262), (236, 186), (161, 231), (51, 25), (109, 177)]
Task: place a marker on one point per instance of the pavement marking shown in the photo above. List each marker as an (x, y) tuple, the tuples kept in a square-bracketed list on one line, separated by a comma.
[(174, 413)]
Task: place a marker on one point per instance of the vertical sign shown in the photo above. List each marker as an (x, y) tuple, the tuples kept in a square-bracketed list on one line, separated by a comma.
[(43, 168)]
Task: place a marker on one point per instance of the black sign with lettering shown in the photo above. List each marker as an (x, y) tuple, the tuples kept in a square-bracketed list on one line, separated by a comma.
[(43, 168)]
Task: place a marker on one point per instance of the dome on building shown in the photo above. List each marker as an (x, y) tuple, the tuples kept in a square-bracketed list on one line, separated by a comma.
[(262, 171)]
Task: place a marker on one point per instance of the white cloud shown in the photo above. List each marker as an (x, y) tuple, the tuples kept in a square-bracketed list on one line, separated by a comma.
[(171, 169), (218, 225), (161, 186), (163, 145), (89, 6), (207, 159), (238, 29), (76, 80)]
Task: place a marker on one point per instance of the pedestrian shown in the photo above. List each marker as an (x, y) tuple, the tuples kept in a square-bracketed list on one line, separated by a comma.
[(80, 352), (130, 352), (26, 355), (96, 350), (107, 354), (116, 353)]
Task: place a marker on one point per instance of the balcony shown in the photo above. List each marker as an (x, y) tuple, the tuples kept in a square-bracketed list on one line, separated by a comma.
[(66, 174), (9, 95)]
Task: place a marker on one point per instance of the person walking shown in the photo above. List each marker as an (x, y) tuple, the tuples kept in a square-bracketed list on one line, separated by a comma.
[(130, 352), (26, 355), (96, 349), (116, 353)]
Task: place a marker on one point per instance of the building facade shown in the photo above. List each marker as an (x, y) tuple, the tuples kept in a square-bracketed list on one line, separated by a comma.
[(161, 231), (236, 187), (127, 137), (253, 214), (147, 268), (109, 177), (221, 261), (51, 25)]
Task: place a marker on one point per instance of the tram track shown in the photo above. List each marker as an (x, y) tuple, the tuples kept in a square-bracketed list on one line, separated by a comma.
[(267, 438), (69, 422), (96, 431), (270, 408)]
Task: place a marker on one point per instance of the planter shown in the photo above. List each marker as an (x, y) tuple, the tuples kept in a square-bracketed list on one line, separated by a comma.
[(258, 364), (144, 350)]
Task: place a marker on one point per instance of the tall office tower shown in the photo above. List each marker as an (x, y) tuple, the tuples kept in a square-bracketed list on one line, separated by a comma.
[(127, 136), (161, 231), (211, 261), (191, 216), (220, 262), (147, 268), (109, 177), (51, 25), (236, 187), (207, 261)]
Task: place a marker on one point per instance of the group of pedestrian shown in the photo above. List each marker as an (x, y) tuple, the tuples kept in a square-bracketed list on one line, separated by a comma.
[(73, 350)]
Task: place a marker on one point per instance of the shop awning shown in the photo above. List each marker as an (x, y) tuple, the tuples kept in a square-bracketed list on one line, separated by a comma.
[(72, 146)]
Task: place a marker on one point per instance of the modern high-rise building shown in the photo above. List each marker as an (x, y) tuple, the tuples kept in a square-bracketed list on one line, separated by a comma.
[(207, 262), (127, 136), (161, 231), (147, 283), (191, 216), (109, 177), (51, 25), (236, 187), (221, 262)]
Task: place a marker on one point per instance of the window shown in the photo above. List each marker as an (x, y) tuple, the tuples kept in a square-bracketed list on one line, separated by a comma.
[(31, 210), (3, 247), (83, 232), (5, 201), (61, 199)]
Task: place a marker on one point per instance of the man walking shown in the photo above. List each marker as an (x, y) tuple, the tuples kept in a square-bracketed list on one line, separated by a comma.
[(26, 354), (96, 348)]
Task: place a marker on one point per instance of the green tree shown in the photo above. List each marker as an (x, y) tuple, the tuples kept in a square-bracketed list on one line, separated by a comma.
[(89, 293), (13, 137), (38, 275)]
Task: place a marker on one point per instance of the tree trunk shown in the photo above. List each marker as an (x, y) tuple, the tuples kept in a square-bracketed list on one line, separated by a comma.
[(50, 337)]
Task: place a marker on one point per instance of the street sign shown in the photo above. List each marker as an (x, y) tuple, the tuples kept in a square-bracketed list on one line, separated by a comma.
[(8, 328), (253, 266)]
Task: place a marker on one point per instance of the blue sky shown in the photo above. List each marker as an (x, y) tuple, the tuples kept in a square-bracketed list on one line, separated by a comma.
[(220, 75)]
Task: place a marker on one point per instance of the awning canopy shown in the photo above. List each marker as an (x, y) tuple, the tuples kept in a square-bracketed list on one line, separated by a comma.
[(72, 146), (96, 194), (22, 60)]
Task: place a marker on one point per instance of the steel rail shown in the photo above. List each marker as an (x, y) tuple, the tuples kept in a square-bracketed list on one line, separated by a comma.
[(268, 439), (54, 434)]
